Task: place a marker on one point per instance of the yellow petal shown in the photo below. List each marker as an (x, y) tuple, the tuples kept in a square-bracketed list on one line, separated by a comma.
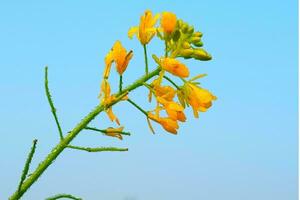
[(168, 22), (132, 31)]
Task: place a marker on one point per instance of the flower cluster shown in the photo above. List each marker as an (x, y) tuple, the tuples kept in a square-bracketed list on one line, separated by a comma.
[(181, 41)]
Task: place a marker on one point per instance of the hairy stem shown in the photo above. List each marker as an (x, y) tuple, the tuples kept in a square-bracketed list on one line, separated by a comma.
[(105, 131), (72, 134), (27, 164), (97, 149), (53, 110)]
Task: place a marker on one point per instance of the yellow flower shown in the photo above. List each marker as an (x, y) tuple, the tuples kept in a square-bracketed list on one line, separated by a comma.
[(173, 109), (174, 67), (199, 98), (119, 55), (114, 132), (168, 22), (146, 30), (107, 100), (165, 92), (167, 123)]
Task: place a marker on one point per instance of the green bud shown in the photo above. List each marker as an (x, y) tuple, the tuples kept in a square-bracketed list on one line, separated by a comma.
[(186, 52), (186, 45), (198, 44), (190, 30), (195, 40), (176, 35), (179, 22), (185, 28), (198, 34), (201, 54)]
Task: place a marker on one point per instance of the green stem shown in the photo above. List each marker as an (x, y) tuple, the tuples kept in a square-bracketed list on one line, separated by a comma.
[(72, 134), (60, 196), (172, 82), (97, 149), (120, 83), (146, 59), (27, 164), (166, 49), (138, 107), (183, 80), (53, 110), (105, 131)]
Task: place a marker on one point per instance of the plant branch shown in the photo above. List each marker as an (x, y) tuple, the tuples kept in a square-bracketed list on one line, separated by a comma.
[(27, 164), (53, 110), (138, 107), (172, 82), (72, 134), (146, 59), (97, 149), (105, 131), (120, 83), (166, 48)]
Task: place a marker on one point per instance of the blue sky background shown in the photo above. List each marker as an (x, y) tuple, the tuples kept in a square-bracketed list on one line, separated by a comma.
[(245, 147)]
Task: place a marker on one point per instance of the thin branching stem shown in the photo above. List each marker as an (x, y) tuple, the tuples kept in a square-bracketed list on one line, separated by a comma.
[(172, 82), (120, 83), (50, 158), (97, 149), (53, 109), (166, 48), (138, 107), (27, 164), (105, 131), (146, 59)]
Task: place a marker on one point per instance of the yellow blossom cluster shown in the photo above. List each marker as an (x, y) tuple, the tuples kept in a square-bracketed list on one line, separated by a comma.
[(181, 41)]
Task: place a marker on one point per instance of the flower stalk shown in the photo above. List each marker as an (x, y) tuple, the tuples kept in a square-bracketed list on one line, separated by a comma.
[(120, 83), (146, 59)]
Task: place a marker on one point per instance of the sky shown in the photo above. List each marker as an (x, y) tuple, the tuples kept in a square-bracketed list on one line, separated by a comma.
[(244, 147)]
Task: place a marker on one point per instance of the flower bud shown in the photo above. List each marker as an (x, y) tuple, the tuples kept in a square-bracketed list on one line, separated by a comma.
[(201, 54), (186, 52), (198, 34), (179, 22), (198, 44), (195, 39), (168, 22), (185, 28), (190, 30)]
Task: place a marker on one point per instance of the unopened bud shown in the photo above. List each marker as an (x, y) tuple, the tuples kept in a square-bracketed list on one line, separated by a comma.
[(176, 35), (179, 22), (190, 29), (198, 44), (186, 52), (185, 28), (195, 40), (201, 54), (198, 34)]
